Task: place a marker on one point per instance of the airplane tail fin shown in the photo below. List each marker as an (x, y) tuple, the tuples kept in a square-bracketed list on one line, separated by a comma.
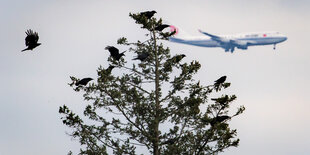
[(179, 33)]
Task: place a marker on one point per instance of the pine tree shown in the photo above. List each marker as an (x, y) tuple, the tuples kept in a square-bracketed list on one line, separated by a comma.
[(155, 103)]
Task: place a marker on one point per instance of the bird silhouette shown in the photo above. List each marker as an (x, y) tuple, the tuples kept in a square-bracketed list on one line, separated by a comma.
[(170, 141), (161, 27), (178, 58), (173, 60), (142, 56), (83, 81), (31, 40), (109, 69), (218, 119), (220, 80), (114, 52), (148, 14), (221, 100)]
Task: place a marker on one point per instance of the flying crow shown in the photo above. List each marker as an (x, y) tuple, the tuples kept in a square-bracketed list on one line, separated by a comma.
[(31, 40), (161, 27), (148, 14), (142, 56), (114, 52), (83, 81)]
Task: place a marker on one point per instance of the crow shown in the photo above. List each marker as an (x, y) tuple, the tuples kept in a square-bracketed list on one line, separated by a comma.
[(114, 52), (148, 14), (218, 119), (178, 58), (83, 81), (161, 27), (169, 62), (142, 56), (109, 69), (31, 40), (220, 80), (170, 141), (221, 100)]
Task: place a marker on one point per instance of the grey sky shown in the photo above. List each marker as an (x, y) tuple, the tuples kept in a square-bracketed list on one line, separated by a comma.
[(272, 85)]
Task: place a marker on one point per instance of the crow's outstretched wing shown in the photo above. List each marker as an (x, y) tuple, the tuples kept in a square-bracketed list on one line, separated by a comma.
[(32, 38)]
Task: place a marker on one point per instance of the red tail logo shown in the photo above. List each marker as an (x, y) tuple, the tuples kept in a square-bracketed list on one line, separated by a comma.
[(173, 28)]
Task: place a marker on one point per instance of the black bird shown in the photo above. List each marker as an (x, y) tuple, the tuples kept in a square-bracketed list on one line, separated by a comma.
[(178, 58), (109, 69), (114, 52), (148, 14), (169, 62), (218, 119), (161, 27), (142, 56), (170, 141), (31, 40), (221, 100), (83, 81), (220, 80)]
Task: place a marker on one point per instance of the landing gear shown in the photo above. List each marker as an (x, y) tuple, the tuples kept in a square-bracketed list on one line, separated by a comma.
[(274, 46), (232, 49)]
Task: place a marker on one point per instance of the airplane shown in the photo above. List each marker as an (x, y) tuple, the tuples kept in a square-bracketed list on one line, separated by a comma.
[(228, 42)]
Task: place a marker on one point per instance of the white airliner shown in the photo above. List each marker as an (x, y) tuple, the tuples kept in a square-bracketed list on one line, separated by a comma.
[(228, 42)]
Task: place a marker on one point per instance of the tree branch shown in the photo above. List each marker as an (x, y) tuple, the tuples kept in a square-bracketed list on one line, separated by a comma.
[(145, 75), (128, 119), (139, 88)]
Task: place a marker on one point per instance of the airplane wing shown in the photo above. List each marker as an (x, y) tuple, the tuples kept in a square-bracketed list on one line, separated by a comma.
[(214, 37), (229, 43)]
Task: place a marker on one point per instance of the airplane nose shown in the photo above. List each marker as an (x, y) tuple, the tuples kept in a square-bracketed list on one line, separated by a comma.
[(283, 38)]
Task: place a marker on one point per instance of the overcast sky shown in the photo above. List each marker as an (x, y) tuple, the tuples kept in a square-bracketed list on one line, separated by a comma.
[(273, 85)]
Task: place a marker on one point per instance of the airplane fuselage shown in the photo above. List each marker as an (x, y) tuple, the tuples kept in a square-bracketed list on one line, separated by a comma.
[(229, 42)]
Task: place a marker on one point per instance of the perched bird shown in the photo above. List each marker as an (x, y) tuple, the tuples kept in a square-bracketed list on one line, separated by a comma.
[(221, 100), (142, 56), (170, 141), (161, 27), (169, 62), (114, 52), (83, 81), (178, 58), (220, 80), (218, 119), (109, 69), (148, 14), (31, 40)]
